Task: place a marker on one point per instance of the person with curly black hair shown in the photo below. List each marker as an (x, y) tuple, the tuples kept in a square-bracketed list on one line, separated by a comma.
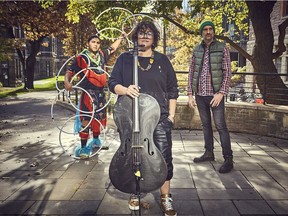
[(158, 79)]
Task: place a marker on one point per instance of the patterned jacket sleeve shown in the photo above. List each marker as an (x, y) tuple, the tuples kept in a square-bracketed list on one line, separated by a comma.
[(226, 68), (190, 75)]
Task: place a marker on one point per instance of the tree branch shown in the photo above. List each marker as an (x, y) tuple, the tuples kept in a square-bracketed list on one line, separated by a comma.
[(237, 47), (171, 21), (281, 46)]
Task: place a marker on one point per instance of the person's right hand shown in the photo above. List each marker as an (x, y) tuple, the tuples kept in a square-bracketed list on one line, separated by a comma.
[(191, 102), (68, 86), (133, 91)]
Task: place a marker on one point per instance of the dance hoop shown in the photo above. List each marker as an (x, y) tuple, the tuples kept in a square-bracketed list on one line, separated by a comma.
[(111, 29), (91, 114), (137, 21), (107, 10), (57, 76), (75, 75), (76, 108), (108, 101), (66, 62), (76, 86), (61, 130)]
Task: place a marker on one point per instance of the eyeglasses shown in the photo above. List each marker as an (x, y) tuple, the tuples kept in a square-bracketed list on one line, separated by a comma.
[(148, 34)]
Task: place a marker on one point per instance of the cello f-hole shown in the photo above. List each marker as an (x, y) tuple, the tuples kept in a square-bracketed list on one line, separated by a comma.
[(149, 147)]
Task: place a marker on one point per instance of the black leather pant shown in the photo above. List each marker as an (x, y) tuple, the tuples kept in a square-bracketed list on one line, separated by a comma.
[(163, 141)]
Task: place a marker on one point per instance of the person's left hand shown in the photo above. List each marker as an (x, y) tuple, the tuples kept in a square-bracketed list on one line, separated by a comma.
[(133, 91), (216, 99), (171, 118)]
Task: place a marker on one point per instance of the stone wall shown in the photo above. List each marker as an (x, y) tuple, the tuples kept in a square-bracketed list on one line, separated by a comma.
[(266, 120)]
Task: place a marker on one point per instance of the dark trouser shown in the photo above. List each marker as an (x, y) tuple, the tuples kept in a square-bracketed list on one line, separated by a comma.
[(204, 108), (163, 141), (99, 100)]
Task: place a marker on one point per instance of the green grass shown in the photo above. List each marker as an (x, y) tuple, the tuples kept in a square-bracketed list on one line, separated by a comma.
[(7, 91), (46, 84), (39, 85)]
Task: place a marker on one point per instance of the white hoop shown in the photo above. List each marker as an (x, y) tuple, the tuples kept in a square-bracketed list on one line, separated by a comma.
[(142, 15), (52, 113), (108, 101), (60, 72), (109, 28), (66, 62), (76, 85), (76, 108), (61, 130), (76, 74), (113, 8)]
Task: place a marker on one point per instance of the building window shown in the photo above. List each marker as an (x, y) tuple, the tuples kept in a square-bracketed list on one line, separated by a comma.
[(18, 32), (47, 68), (286, 77), (278, 64), (284, 8)]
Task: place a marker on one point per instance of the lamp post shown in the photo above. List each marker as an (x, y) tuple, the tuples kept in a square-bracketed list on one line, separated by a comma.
[(24, 65)]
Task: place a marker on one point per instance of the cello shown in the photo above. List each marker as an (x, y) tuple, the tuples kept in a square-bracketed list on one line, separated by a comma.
[(137, 166)]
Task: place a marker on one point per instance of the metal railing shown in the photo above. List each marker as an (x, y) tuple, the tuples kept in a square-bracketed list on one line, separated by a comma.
[(74, 95), (244, 87)]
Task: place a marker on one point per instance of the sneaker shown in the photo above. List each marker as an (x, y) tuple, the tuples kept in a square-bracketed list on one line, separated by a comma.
[(133, 203), (83, 153), (96, 143), (166, 205)]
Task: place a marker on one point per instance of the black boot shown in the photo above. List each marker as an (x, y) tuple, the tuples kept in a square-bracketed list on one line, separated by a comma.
[(227, 165), (207, 156)]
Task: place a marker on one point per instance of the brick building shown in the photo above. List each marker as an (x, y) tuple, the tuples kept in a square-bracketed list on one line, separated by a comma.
[(279, 14), (48, 61)]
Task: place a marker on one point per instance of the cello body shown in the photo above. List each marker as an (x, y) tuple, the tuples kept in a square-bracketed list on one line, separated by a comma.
[(137, 150)]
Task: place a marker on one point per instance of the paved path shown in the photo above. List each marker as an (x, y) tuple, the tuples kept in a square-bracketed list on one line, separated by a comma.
[(37, 178)]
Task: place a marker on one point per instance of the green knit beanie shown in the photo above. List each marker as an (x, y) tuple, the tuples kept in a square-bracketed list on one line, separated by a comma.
[(206, 23)]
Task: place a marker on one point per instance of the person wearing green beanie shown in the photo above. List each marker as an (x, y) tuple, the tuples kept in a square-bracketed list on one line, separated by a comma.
[(209, 79), (206, 23)]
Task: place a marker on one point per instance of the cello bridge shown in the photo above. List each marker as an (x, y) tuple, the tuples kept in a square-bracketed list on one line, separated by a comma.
[(137, 146)]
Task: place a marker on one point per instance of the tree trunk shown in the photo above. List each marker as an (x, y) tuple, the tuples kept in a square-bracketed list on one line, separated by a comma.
[(271, 87), (30, 64)]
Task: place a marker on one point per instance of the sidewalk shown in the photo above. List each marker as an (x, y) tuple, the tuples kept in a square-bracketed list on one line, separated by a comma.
[(37, 178)]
